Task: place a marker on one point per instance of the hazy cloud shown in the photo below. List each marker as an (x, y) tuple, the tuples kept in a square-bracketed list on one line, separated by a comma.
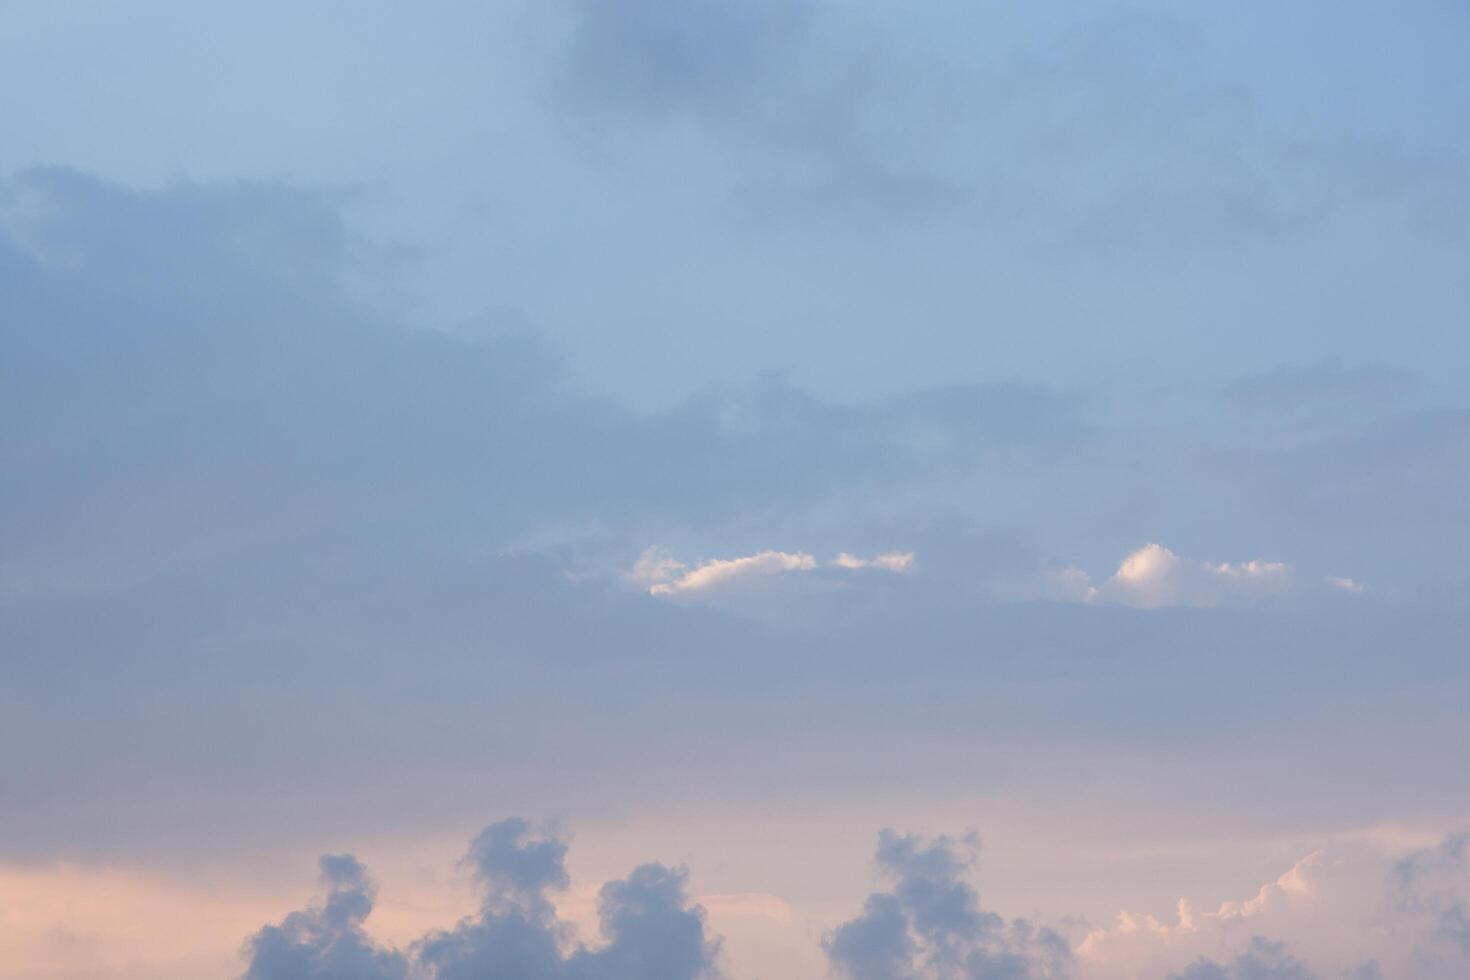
[(1264, 960), (1433, 885)]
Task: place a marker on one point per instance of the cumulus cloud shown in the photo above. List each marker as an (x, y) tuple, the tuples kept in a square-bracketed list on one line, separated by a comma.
[(1142, 937), (929, 925), (1134, 928), (650, 929), (1294, 883), (327, 942)]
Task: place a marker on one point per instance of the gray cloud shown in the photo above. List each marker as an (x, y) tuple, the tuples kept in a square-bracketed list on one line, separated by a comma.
[(1433, 886), (651, 931), (327, 942), (1263, 960), (930, 926), (825, 109), (1118, 131)]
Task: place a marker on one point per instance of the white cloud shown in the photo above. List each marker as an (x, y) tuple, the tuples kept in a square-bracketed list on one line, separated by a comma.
[(1071, 585), (675, 577), (892, 561), (1153, 577), (1296, 883), (663, 575), (1133, 928), (1346, 584), (655, 567), (1142, 945)]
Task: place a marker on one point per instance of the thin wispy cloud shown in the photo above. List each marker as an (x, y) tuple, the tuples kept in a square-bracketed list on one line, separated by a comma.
[(664, 575)]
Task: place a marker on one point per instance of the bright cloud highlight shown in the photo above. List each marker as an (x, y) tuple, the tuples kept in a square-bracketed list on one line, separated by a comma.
[(893, 561), (1154, 577), (663, 575)]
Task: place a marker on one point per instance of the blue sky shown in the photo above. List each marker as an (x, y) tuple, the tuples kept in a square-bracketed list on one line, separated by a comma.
[(940, 491)]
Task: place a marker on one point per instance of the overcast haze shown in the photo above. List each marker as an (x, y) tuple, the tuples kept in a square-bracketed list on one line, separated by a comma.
[(638, 490)]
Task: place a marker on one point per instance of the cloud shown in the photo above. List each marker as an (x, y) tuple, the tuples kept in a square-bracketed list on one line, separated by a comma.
[(1322, 392), (703, 59), (1141, 938), (1263, 960), (824, 110), (1432, 886), (1120, 129), (327, 942), (1333, 911), (1295, 883), (1133, 928), (663, 575), (516, 870), (893, 561), (727, 571), (650, 930), (1153, 577), (930, 924)]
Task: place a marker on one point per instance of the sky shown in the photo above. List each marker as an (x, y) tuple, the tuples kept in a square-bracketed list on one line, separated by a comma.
[(765, 490)]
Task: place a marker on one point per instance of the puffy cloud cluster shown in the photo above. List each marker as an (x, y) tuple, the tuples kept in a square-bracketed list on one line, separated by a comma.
[(930, 926), (327, 942), (1326, 917), (663, 575), (650, 930)]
